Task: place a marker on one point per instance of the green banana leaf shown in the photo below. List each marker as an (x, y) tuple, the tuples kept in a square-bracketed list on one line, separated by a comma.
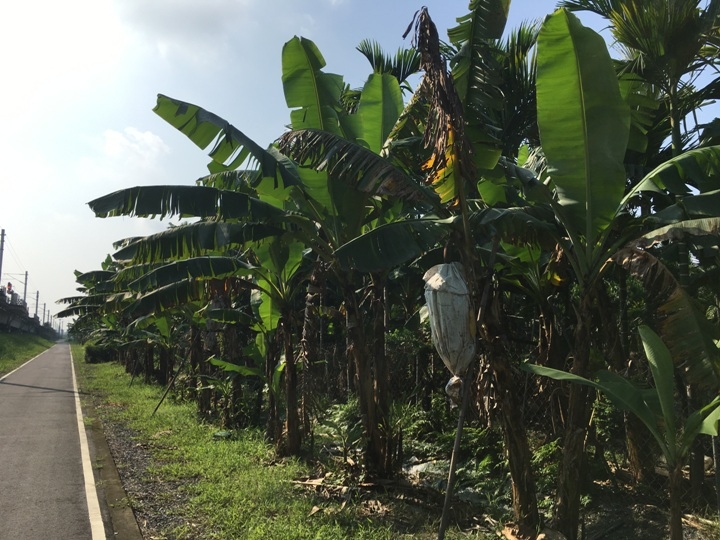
[(82, 305), (313, 96), (619, 390), (699, 168), (381, 104), (486, 20), (703, 421), (168, 297), (661, 367), (583, 122), (353, 165), (643, 101), (202, 268), (518, 225), (658, 412), (393, 244), (231, 147), (194, 240), (477, 76), (680, 230), (702, 205), (183, 201), (94, 277), (681, 319), (245, 371), (280, 258)]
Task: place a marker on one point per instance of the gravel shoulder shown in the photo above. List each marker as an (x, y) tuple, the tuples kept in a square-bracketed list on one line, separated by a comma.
[(139, 505)]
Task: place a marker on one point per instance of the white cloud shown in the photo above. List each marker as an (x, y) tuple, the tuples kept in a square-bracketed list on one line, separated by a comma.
[(133, 147), (197, 31), (55, 49), (117, 160)]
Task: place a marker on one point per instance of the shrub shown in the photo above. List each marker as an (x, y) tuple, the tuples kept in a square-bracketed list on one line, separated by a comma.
[(98, 354)]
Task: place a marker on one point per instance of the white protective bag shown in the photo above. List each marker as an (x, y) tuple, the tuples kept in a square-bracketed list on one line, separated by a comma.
[(452, 324)]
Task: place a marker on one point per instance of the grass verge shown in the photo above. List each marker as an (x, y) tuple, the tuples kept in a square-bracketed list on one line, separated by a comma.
[(16, 348), (232, 488)]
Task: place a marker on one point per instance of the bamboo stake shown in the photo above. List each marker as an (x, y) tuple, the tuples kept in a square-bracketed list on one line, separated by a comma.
[(467, 381)]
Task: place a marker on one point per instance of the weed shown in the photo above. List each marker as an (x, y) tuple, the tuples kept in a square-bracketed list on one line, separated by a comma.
[(233, 487), (15, 349)]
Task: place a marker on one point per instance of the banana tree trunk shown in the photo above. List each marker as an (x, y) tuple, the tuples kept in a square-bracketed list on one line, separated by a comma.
[(195, 360), (149, 363), (163, 375), (233, 354), (211, 347), (384, 442), (272, 430), (310, 341), (524, 496), (641, 462), (640, 459), (204, 394), (567, 512), (716, 463), (292, 418), (374, 419), (697, 453), (676, 475)]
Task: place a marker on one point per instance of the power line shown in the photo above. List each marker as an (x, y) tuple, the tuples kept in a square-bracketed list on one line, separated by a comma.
[(14, 254), (22, 280)]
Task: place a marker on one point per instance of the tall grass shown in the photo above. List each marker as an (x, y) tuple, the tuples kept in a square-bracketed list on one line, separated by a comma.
[(232, 487), (15, 349)]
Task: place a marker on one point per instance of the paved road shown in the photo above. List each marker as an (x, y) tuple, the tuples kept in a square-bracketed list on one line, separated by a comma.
[(42, 487)]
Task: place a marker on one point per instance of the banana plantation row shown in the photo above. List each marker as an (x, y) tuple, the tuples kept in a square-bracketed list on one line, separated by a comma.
[(568, 186)]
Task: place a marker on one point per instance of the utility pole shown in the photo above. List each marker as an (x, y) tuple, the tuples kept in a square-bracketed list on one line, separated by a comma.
[(25, 289), (37, 302), (2, 249), (43, 312)]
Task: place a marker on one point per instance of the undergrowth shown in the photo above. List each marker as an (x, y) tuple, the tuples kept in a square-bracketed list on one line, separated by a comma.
[(233, 485), (17, 348)]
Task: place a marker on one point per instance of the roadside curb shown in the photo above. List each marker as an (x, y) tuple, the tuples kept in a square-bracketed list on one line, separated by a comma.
[(118, 515)]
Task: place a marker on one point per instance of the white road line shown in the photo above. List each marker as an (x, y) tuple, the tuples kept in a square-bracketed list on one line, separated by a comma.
[(22, 366), (96, 523)]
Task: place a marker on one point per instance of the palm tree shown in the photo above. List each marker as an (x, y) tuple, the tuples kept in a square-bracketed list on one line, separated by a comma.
[(668, 44)]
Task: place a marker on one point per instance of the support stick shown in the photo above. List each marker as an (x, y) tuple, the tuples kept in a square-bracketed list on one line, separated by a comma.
[(467, 382)]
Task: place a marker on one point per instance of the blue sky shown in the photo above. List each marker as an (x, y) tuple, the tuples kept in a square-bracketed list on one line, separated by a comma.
[(81, 81)]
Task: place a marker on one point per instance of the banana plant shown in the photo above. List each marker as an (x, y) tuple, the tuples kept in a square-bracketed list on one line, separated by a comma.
[(345, 198), (278, 278), (584, 124), (656, 408), (275, 194)]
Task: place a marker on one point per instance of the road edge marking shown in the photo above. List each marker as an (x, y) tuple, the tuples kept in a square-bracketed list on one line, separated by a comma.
[(97, 527), (23, 365)]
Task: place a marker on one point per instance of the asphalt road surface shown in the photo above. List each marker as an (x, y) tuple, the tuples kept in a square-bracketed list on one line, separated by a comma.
[(42, 481)]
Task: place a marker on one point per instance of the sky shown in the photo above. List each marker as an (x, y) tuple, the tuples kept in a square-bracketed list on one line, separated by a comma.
[(80, 81)]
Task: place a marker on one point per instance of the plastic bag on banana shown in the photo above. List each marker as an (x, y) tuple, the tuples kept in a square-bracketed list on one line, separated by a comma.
[(452, 324)]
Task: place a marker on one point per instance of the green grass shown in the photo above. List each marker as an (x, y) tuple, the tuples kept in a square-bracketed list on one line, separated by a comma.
[(16, 349), (236, 488)]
